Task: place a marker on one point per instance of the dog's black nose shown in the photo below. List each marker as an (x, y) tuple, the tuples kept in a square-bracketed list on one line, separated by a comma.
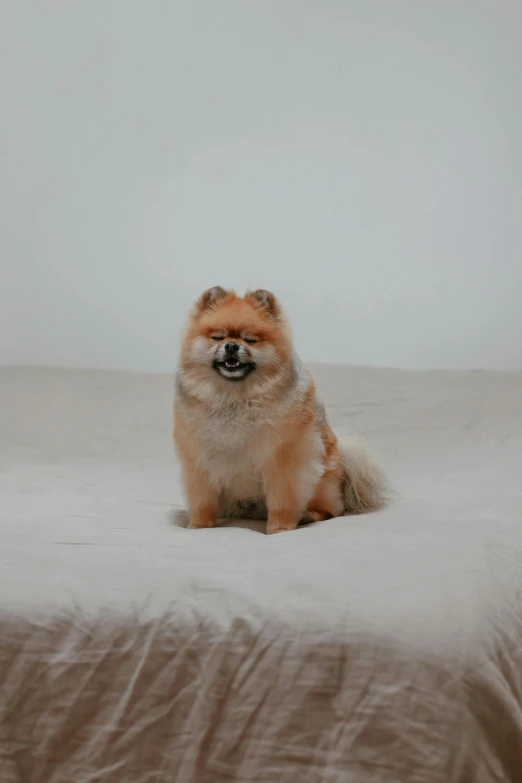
[(231, 347)]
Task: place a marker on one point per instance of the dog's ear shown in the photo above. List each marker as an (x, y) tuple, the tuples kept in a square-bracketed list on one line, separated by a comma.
[(209, 298), (266, 301)]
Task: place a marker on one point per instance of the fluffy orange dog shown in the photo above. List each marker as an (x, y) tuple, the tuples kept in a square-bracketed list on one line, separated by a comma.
[(252, 436)]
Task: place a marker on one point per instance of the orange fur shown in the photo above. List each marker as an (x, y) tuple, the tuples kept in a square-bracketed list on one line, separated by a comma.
[(251, 435)]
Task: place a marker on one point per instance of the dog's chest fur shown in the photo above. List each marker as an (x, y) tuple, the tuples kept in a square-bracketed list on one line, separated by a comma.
[(236, 441)]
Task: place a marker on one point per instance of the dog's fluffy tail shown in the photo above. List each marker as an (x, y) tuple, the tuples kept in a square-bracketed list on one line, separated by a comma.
[(365, 487)]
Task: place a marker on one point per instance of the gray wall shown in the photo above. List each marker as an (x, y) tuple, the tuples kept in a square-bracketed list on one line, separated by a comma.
[(363, 158)]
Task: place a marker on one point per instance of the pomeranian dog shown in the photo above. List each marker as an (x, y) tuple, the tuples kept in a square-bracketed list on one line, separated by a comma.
[(251, 435)]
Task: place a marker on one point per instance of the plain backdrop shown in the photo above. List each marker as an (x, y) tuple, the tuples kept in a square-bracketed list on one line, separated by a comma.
[(361, 158)]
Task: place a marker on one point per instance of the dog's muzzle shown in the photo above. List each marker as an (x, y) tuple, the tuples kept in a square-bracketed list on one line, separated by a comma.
[(233, 361)]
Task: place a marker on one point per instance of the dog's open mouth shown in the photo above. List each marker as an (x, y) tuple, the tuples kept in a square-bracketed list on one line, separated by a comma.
[(232, 367)]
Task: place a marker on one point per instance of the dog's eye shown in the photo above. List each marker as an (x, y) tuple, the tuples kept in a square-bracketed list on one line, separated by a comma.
[(250, 339), (217, 337)]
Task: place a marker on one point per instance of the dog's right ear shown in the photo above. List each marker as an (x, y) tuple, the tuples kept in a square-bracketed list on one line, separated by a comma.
[(264, 301), (209, 298)]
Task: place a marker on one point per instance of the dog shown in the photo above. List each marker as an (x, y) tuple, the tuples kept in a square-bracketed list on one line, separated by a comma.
[(251, 434)]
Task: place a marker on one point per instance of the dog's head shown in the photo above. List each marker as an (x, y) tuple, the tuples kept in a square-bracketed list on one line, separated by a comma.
[(235, 340)]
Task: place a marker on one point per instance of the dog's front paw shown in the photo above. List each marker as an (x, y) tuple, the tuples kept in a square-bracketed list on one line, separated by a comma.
[(199, 525), (314, 516), (278, 528)]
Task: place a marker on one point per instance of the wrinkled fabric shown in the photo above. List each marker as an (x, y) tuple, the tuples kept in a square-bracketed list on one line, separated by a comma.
[(386, 647)]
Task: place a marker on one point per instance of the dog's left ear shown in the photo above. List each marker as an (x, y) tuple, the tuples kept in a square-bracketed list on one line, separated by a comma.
[(209, 298), (266, 301)]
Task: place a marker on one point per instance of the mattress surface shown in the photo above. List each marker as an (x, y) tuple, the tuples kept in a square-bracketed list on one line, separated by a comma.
[(386, 647)]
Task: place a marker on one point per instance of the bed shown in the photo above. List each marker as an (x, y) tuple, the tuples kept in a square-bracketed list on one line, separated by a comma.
[(385, 647)]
